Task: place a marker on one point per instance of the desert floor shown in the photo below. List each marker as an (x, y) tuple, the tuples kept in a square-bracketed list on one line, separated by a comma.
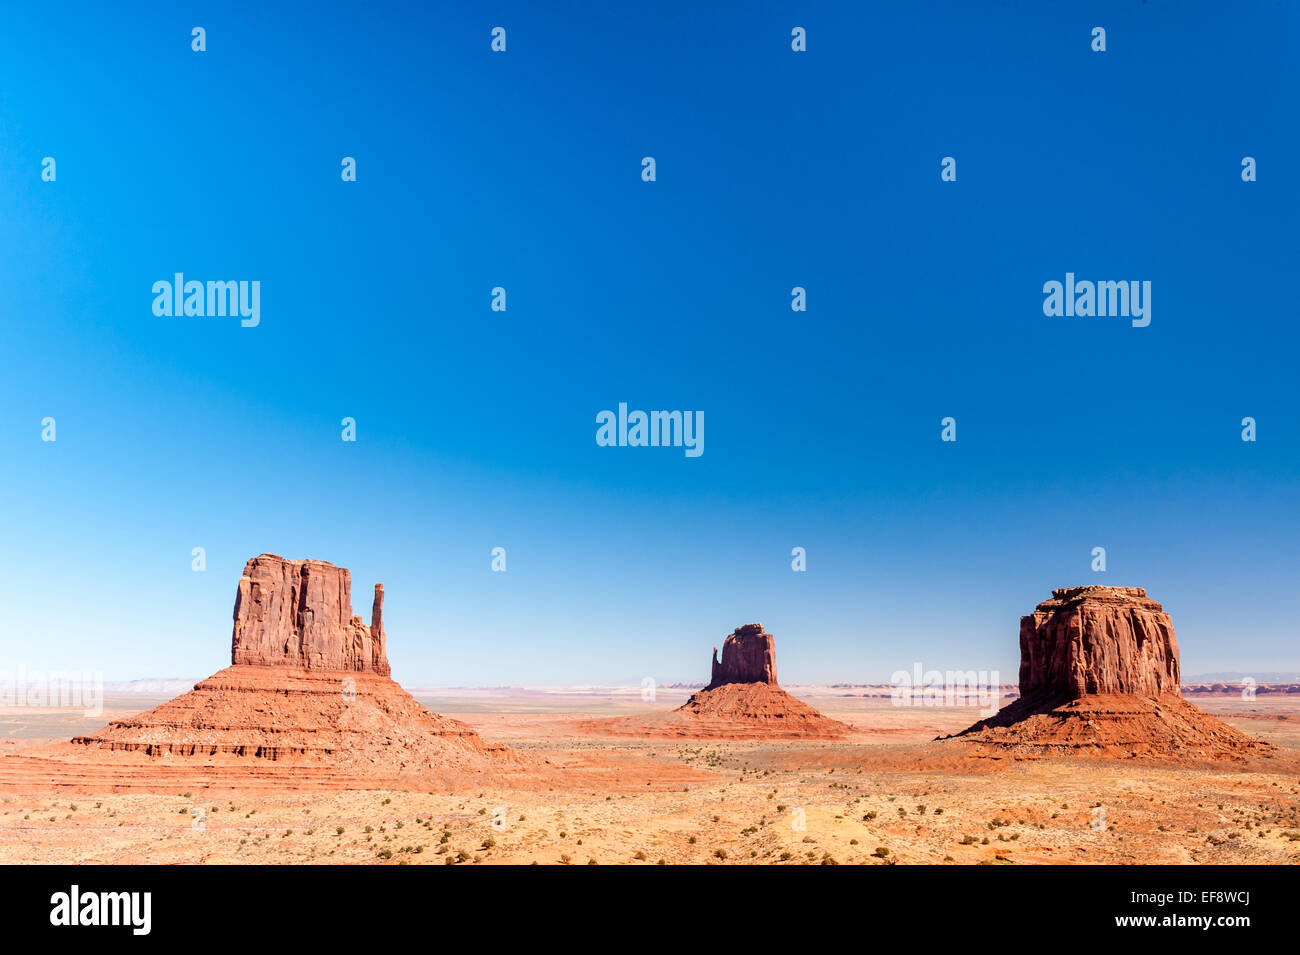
[(888, 794)]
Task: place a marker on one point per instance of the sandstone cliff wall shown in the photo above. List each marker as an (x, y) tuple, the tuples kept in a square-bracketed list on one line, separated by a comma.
[(1090, 640), (299, 613)]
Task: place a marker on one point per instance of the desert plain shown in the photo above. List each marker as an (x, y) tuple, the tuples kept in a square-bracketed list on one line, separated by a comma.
[(886, 793)]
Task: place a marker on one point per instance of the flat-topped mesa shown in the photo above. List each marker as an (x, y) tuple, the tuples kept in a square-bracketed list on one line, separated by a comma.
[(298, 613), (1097, 639), (748, 656), (1099, 677)]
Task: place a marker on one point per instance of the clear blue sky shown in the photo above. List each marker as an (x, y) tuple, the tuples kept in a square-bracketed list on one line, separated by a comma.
[(476, 429)]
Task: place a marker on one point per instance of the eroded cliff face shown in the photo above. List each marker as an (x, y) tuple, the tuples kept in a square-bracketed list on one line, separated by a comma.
[(298, 613), (748, 656), (1098, 640)]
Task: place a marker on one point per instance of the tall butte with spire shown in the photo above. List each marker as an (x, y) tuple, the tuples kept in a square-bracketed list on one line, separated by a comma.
[(1099, 673), (308, 692), (298, 613)]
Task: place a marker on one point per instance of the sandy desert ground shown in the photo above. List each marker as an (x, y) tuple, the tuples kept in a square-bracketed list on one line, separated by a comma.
[(887, 794)]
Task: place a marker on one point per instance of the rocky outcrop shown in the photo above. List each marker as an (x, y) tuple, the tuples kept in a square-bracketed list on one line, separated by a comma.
[(353, 724), (748, 656), (743, 701), (1099, 675), (299, 613), (308, 693), (1089, 640)]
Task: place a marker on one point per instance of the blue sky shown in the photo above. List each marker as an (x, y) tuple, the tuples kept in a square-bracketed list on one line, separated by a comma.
[(476, 428)]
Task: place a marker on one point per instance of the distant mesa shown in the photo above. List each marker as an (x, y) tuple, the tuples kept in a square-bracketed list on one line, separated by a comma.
[(743, 699), (308, 693), (1099, 673)]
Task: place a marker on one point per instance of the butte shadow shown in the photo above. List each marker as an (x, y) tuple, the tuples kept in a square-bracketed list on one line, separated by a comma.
[(1099, 675)]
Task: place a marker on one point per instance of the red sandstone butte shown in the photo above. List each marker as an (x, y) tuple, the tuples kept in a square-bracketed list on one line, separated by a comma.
[(299, 613), (1099, 674), (1098, 640), (748, 656), (307, 699), (743, 700)]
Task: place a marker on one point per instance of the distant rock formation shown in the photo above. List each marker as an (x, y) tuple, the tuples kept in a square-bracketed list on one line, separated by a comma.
[(308, 693), (743, 699), (748, 656), (1099, 674), (299, 613)]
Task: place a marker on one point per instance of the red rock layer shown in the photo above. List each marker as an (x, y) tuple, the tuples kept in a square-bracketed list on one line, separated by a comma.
[(757, 710), (348, 722), (748, 656), (732, 711), (298, 613), (1114, 726)]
